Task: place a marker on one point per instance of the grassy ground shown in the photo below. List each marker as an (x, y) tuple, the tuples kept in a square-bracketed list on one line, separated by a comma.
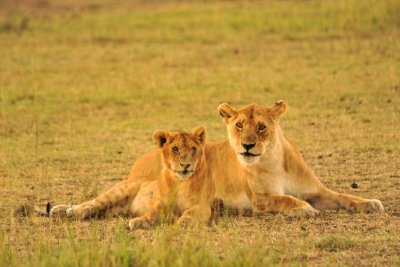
[(83, 84)]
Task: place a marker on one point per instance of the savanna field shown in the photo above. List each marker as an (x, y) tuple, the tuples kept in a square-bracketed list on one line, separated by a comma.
[(84, 84)]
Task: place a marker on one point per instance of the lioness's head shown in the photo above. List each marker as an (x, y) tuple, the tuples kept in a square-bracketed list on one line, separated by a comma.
[(252, 128), (182, 151)]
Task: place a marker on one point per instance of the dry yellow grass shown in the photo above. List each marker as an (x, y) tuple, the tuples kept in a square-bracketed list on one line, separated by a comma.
[(83, 86)]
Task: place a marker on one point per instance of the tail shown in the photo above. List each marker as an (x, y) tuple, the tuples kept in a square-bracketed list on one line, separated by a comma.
[(28, 209)]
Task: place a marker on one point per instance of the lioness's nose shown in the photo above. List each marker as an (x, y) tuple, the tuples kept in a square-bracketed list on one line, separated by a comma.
[(185, 165), (248, 146)]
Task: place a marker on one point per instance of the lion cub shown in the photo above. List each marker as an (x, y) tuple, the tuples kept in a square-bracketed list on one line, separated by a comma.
[(174, 180), (185, 188)]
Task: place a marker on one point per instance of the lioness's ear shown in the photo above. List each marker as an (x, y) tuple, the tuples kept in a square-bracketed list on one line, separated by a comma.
[(278, 108), (226, 111), (160, 137), (200, 133)]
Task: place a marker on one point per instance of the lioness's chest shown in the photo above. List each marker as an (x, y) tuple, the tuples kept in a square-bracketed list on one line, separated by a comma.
[(274, 180)]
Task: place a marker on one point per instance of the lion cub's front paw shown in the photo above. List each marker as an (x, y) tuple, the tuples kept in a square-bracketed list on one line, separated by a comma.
[(139, 223), (59, 211), (369, 205), (303, 212), (186, 221)]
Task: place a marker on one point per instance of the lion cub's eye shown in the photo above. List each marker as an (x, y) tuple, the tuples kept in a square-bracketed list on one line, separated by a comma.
[(261, 128), (175, 149), (239, 126), (194, 150)]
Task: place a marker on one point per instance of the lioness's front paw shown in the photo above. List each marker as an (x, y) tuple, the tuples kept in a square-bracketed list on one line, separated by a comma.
[(303, 212), (139, 223), (59, 211), (369, 205)]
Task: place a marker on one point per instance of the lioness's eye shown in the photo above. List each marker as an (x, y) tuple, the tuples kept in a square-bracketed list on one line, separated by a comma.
[(194, 150), (239, 126), (175, 149), (261, 128)]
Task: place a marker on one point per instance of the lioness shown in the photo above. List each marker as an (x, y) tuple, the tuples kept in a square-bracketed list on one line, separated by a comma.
[(259, 168), (183, 186)]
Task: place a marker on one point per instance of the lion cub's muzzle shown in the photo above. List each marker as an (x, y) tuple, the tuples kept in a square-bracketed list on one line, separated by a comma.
[(185, 172)]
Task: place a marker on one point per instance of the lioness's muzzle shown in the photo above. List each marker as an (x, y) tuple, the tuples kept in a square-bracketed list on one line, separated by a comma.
[(248, 154)]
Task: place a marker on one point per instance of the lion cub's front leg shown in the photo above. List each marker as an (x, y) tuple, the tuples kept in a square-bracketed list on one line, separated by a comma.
[(81, 211), (284, 204), (147, 220), (198, 214), (119, 195)]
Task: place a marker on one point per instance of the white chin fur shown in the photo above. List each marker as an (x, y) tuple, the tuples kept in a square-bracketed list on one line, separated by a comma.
[(248, 160), (184, 176)]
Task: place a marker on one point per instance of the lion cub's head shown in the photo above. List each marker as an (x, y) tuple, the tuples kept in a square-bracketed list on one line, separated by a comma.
[(252, 128), (182, 151)]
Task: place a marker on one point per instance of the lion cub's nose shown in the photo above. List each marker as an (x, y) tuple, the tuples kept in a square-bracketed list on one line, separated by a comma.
[(185, 165), (248, 146)]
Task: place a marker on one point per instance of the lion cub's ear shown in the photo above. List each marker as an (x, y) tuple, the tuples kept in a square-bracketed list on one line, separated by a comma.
[(160, 137), (226, 111), (278, 108), (200, 134)]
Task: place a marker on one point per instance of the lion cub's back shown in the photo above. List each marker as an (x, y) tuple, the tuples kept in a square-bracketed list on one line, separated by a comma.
[(147, 168)]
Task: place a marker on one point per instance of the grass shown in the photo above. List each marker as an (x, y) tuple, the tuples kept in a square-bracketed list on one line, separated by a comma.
[(84, 84), (333, 243)]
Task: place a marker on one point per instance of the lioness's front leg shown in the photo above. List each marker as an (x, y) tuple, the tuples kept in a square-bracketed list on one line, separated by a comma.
[(328, 199), (284, 204), (198, 214)]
